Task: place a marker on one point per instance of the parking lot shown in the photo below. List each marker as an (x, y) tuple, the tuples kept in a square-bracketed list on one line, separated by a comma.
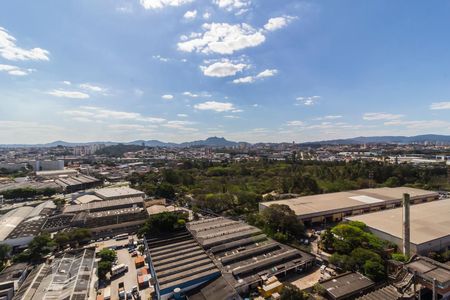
[(129, 278)]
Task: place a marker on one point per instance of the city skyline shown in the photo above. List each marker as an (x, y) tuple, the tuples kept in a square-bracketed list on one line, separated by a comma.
[(184, 70)]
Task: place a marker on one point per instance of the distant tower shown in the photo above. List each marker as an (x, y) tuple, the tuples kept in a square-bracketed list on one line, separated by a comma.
[(406, 226)]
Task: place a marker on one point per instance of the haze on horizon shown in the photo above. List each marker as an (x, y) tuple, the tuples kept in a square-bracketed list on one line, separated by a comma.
[(248, 70)]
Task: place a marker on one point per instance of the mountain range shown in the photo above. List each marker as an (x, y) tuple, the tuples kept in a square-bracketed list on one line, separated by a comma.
[(219, 142)]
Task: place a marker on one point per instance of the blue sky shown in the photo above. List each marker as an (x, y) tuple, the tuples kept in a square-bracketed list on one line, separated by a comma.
[(248, 70)]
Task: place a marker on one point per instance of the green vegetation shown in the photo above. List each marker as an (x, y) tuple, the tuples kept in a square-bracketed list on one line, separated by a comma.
[(442, 257), (356, 249), (73, 237), (291, 292), (38, 248), (4, 255), (118, 150), (163, 223), (107, 257), (279, 222), (399, 257), (235, 189), (28, 192)]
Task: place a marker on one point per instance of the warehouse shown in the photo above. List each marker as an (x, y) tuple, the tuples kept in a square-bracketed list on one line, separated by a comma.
[(118, 193), (430, 226), (177, 261), (334, 207), (66, 277), (245, 255)]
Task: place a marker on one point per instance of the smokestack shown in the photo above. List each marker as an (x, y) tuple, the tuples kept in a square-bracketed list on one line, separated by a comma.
[(406, 226)]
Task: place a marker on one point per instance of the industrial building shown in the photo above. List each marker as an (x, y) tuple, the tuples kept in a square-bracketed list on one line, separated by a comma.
[(77, 182), (104, 218), (19, 226), (66, 277), (177, 261), (346, 286), (334, 207), (429, 226), (245, 255), (111, 193), (219, 256)]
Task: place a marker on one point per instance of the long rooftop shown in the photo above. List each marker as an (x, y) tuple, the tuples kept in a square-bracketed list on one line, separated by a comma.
[(429, 221), (309, 206)]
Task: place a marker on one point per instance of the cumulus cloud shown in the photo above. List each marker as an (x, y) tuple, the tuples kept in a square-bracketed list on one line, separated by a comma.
[(196, 95), (222, 38), (167, 97), (307, 101), (206, 15), (278, 23), (215, 106), (14, 70), (92, 88), (223, 68), (440, 105), (295, 123), (263, 74), (329, 117), (158, 4), (246, 79), (190, 14), (182, 115), (95, 113), (68, 94), (9, 50), (240, 6), (381, 116), (419, 124)]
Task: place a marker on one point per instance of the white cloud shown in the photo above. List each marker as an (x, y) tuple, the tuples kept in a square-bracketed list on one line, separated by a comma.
[(381, 116), (66, 82), (222, 38), (295, 123), (420, 124), (167, 97), (278, 23), (206, 15), (14, 70), (94, 113), (9, 50), (138, 92), (190, 14), (215, 106), (182, 115), (250, 79), (180, 125), (308, 101), (232, 5), (440, 105), (158, 4), (267, 73), (196, 95), (68, 94), (329, 117), (92, 88), (160, 58), (223, 68)]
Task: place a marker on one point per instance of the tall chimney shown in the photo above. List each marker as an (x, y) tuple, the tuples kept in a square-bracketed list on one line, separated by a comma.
[(406, 226)]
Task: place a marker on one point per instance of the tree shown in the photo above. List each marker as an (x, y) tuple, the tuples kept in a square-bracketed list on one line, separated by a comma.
[(327, 240), (374, 270), (104, 267), (399, 257), (291, 292), (165, 190), (163, 223), (5, 249), (280, 218), (107, 255)]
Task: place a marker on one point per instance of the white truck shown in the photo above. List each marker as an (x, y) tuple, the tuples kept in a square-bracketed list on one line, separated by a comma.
[(119, 269)]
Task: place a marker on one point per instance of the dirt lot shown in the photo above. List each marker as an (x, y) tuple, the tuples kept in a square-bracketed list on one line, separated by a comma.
[(303, 281), (129, 278)]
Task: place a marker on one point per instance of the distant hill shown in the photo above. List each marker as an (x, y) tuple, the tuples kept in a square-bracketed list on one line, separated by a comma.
[(433, 138), (220, 142)]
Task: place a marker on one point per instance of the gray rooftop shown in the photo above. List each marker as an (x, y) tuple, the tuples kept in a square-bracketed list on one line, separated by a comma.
[(346, 285), (318, 204), (429, 221)]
